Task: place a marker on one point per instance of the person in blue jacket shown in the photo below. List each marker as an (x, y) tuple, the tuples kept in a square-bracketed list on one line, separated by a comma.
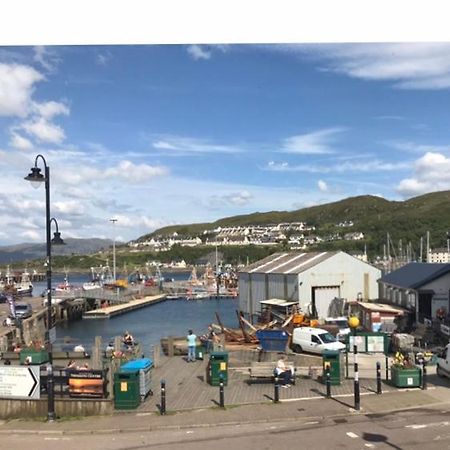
[(191, 338)]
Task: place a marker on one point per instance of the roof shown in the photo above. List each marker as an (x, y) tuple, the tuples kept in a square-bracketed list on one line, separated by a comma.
[(288, 262), (381, 307), (414, 275), (277, 302)]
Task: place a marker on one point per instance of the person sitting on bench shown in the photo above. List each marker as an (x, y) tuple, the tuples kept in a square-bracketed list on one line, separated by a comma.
[(283, 372)]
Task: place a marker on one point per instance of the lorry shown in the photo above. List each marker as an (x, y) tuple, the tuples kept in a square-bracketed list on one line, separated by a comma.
[(443, 363)]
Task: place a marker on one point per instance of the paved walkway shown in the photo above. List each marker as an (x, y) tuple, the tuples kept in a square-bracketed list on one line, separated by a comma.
[(193, 403)]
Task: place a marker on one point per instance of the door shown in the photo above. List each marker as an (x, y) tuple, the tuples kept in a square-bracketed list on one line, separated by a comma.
[(321, 299)]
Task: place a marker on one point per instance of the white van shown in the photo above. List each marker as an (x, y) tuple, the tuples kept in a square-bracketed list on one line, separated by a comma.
[(314, 340), (443, 363)]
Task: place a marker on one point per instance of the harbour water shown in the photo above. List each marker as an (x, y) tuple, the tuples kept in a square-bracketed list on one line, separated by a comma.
[(148, 325)]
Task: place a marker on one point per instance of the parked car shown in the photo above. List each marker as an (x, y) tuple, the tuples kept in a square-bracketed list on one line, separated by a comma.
[(314, 340), (23, 310)]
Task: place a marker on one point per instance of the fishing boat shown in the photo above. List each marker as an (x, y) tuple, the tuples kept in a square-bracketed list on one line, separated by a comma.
[(23, 287), (99, 277)]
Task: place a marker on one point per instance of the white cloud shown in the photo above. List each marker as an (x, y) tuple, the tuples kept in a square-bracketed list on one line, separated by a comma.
[(346, 166), (183, 145), (20, 142), (135, 173), (50, 109), (71, 207), (31, 235), (407, 65), (46, 58), (205, 51), (104, 58), (44, 130), (198, 52), (315, 143), (323, 187), (16, 88), (431, 174)]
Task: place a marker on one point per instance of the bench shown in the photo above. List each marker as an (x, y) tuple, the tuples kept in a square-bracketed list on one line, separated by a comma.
[(264, 371)]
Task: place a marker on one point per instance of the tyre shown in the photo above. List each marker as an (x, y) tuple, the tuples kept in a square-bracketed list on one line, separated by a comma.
[(296, 348)]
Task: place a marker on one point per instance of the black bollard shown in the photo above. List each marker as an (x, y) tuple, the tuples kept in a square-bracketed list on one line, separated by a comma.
[(221, 393), (163, 397), (424, 375), (356, 377), (328, 382), (346, 363), (378, 378), (276, 387), (386, 362)]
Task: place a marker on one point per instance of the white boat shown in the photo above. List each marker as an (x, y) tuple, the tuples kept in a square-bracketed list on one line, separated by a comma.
[(100, 276), (23, 287)]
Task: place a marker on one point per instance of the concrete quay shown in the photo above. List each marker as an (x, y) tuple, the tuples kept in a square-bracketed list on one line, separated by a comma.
[(115, 310)]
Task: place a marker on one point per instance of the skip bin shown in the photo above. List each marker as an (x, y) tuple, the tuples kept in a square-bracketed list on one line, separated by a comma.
[(402, 377), (31, 356), (272, 340), (126, 390), (144, 365), (332, 359), (217, 367)]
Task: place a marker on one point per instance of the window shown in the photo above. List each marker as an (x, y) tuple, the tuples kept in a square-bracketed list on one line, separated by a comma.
[(315, 340), (327, 338)]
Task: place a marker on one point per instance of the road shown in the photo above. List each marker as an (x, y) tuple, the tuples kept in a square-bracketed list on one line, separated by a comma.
[(418, 429)]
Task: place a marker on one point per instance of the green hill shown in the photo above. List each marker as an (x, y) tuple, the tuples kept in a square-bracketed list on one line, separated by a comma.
[(374, 216)]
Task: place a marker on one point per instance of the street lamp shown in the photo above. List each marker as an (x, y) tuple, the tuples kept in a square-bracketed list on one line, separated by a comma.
[(114, 249), (36, 178), (353, 323)]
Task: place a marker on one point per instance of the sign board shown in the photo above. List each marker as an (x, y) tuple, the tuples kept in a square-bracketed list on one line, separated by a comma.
[(87, 383), (20, 382), (375, 344), (445, 329)]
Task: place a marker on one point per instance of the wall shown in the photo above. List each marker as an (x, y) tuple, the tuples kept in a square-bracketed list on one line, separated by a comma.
[(341, 270), (441, 287), (10, 409)]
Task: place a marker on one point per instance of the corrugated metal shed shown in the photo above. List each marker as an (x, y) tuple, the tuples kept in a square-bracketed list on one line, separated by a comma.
[(289, 262), (414, 275)]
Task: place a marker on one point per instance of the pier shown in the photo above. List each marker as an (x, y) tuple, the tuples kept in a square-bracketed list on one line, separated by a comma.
[(111, 311)]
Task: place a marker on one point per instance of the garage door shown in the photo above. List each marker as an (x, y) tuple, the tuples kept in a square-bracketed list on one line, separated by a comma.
[(323, 297)]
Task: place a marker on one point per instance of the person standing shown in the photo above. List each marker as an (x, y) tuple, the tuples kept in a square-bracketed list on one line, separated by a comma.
[(191, 338)]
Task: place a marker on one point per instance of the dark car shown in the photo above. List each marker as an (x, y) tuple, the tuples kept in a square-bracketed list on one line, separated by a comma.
[(3, 298), (23, 310)]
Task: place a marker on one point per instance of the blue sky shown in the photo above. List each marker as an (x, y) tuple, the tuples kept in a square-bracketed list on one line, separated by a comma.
[(155, 135)]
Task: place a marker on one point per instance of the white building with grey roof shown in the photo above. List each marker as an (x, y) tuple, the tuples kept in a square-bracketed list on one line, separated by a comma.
[(313, 280)]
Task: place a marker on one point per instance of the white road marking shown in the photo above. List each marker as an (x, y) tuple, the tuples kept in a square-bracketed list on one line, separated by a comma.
[(189, 432), (369, 445), (311, 423), (352, 435), (426, 425)]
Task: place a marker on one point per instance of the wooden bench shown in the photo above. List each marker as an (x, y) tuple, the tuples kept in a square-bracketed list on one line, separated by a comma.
[(264, 371)]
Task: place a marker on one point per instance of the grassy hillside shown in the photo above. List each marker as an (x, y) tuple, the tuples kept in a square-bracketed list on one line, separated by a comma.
[(405, 220)]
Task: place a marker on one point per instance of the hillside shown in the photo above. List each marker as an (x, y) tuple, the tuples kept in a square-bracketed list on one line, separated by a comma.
[(30, 251), (374, 216)]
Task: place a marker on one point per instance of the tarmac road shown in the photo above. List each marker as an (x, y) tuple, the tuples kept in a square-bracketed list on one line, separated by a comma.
[(413, 429)]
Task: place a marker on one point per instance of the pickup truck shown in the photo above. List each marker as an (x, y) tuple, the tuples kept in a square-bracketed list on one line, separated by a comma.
[(443, 363)]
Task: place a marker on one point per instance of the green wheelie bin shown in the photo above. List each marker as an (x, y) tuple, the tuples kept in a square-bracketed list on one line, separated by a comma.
[(127, 390), (332, 360), (217, 367)]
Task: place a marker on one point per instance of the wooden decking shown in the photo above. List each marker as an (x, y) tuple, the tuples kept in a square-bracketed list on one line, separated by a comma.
[(110, 311), (186, 387)]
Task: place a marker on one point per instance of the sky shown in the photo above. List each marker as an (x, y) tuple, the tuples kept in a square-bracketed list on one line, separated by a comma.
[(156, 135)]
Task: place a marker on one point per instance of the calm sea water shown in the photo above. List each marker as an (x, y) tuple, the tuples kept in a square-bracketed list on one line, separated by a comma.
[(149, 324)]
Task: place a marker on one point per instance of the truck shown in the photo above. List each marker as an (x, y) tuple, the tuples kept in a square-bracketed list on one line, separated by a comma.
[(443, 363)]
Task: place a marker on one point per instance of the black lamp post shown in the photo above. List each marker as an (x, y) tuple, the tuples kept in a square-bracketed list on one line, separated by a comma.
[(36, 178)]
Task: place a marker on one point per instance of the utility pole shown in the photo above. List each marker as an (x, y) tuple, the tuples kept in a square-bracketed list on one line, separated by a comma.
[(114, 249)]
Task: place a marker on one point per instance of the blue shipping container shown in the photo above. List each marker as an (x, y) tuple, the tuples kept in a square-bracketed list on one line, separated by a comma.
[(272, 340)]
